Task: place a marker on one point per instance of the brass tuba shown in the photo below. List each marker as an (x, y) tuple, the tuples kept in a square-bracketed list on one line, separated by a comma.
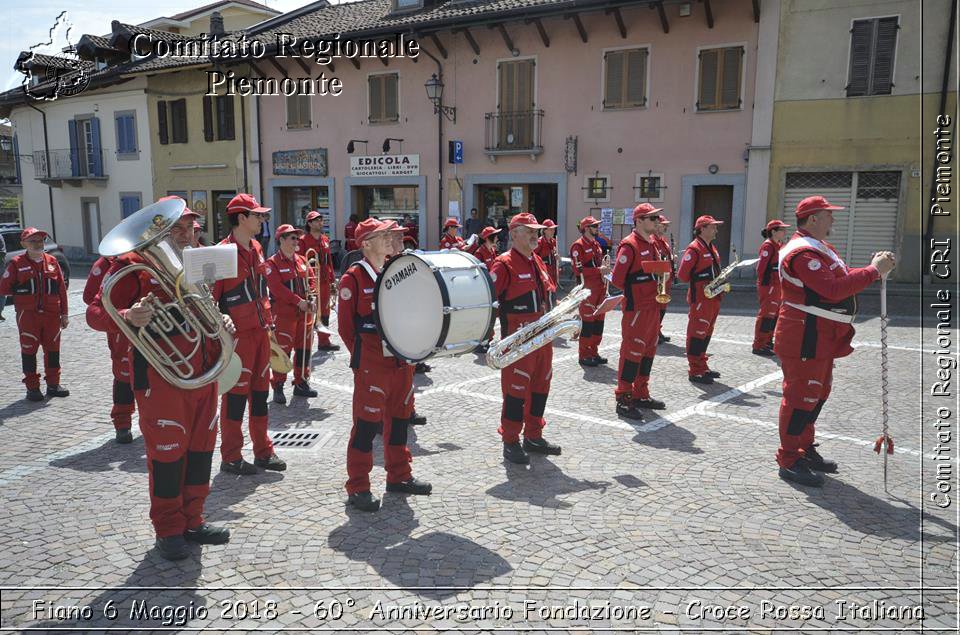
[(561, 321), (190, 315), (720, 284)]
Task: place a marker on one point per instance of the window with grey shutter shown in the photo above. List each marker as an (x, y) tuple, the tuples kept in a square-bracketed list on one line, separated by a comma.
[(162, 122), (178, 119), (225, 119), (298, 111), (873, 45), (625, 81), (721, 75), (383, 97), (207, 118)]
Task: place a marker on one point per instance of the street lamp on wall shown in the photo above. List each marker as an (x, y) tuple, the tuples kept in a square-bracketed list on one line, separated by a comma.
[(350, 146), (434, 87), (386, 144)]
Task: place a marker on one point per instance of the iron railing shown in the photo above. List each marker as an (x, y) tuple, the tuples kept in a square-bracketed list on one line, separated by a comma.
[(68, 164), (514, 132)]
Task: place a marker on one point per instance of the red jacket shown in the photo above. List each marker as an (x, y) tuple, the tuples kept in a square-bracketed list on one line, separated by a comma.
[(521, 285), (550, 255), (35, 286), (639, 288), (348, 230), (813, 274), (700, 264), (324, 256), (586, 258), (244, 298), (97, 273), (287, 280), (768, 267), (355, 321), (486, 255), (451, 242)]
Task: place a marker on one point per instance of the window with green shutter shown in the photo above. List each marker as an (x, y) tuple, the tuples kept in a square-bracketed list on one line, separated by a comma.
[(721, 76), (873, 45), (383, 98), (625, 79)]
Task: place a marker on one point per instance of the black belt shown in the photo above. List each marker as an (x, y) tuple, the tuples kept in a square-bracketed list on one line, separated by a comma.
[(706, 274), (639, 277)]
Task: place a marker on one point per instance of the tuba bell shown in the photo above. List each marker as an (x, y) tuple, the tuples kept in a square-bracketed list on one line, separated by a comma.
[(190, 314)]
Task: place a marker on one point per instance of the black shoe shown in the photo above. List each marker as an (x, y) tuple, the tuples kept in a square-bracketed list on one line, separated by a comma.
[(328, 348), (515, 453), (364, 501), (701, 379), (628, 410), (663, 338), (57, 391), (124, 436), (207, 534), (817, 463), (422, 368), (541, 446), (764, 352), (649, 403), (413, 486), (601, 360), (417, 420), (800, 473), (272, 462), (278, 396), (172, 547), (239, 467), (303, 389), (712, 373), (34, 394), (589, 361)]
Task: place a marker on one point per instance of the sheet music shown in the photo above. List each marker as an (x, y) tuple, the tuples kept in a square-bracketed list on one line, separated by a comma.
[(208, 264)]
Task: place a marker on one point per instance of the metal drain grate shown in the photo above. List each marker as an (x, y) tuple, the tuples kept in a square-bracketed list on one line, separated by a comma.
[(298, 439)]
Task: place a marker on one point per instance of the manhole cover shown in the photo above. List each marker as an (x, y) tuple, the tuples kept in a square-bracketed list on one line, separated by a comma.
[(299, 439)]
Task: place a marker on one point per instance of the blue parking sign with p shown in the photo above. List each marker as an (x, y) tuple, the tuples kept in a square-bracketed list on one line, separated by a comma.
[(456, 152)]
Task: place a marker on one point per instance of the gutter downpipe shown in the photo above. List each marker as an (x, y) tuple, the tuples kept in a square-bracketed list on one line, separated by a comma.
[(46, 149), (439, 146)]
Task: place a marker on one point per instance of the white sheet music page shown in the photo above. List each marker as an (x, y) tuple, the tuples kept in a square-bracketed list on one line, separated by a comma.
[(207, 264)]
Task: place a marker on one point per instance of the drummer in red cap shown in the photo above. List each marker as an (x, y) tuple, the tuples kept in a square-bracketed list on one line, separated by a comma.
[(288, 279), (380, 381), (768, 286), (548, 251), (35, 281), (815, 326), (487, 250), (314, 238), (701, 264), (450, 239), (663, 225), (244, 298), (641, 313), (522, 285), (588, 265)]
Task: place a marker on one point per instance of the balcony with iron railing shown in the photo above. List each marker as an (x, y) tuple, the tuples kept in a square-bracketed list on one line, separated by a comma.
[(69, 165), (513, 133)]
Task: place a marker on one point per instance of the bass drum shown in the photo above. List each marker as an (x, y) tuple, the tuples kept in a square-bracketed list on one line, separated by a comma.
[(433, 304)]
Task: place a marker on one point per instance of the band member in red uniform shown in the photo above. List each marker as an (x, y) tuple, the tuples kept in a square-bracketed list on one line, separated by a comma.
[(382, 389), (289, 283), (701, 264), (815, 326), (549, 253), (349, 243), (521, 283), (179, 426), (198, 240), (768, 287), (450, 239), (487, 250), (35, 281), (315, 239), (663, 224), (641, 313), (588, 265), (244, 299)]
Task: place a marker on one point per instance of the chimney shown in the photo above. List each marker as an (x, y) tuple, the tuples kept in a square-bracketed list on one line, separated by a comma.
[(216, 24)]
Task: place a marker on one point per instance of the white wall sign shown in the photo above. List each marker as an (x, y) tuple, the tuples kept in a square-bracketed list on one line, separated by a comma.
[(385, 165)]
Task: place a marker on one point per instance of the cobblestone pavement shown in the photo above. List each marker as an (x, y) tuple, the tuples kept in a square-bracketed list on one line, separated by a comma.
[(679, 521)]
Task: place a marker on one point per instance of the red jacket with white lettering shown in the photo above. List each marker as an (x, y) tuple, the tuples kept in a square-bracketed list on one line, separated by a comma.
[(287, 282), (639, 288), (324, 256), (35, 286), (486, 255), (820, 278), (244, 298), (451, 242), (700, 264), (586, 258), (521, 285), (768, 267), (355, 321)]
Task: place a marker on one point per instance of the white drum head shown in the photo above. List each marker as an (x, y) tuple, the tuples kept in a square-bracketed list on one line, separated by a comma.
[(409, 307)]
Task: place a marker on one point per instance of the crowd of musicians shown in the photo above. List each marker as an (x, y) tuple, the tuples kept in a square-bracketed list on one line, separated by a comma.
[(805, 290)]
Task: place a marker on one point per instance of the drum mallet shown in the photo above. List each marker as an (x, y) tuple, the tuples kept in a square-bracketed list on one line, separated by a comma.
[(884, 439)]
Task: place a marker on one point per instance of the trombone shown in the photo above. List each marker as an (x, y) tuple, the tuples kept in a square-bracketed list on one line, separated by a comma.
[(313, 311)]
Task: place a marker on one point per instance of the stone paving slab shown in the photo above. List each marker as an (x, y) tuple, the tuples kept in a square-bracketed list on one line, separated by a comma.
[(678, 522)]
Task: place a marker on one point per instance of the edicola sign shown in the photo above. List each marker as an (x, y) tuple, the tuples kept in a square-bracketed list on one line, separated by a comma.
[(385, 165)]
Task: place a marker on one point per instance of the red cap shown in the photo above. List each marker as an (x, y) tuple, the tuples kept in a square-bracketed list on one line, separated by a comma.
[(196, 226), (394, 226), (489, 231), (703, 221), (663, 220), (549, 224), (589, 221), (776, 224), (285, 229), (814, 204), (644, 210), (367, 227), (452, 222), (30, 232), (525, 219), (186, 210), (313, 216), (245, 203)]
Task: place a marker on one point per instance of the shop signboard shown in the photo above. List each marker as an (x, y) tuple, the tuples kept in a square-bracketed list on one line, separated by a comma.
[(385, 165), (309, 162)]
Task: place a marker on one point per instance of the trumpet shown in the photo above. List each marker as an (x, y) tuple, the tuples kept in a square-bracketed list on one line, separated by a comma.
[(561, 321), (720, 283), (660, 270), (190, 314)]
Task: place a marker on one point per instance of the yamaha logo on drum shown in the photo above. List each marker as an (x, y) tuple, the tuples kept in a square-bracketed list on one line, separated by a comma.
[(401, 275)]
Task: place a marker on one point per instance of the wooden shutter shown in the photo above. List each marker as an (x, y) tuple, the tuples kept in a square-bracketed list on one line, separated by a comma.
[(375, 83), (886, 46), (861, 44), (178, 114), (613, 94), (391, 106), (162, 122), (225, 119), (96, 157), (731, 77), (709, 63), (74, 151), (207, 118), (636, 78)]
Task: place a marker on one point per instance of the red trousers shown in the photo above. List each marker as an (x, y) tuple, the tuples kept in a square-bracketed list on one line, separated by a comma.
[(253, 347), (39, 328), (806, 387), (525, 385), (382, 396), (123, 400), (700, 322), (324, 299), (293, 335), (592, 332), (638, 347), (179, 433), (767, 316)]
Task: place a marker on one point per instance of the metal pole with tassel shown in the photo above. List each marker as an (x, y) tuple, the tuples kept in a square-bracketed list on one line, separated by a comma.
[(884, 439)]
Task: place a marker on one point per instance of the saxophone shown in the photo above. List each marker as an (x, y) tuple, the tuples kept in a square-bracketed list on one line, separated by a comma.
[(720, 284)]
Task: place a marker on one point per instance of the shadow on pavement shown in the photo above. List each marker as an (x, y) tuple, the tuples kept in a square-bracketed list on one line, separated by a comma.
[(131, 457), (669, 437), (540, 484), (229, 489), (21, 407)]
